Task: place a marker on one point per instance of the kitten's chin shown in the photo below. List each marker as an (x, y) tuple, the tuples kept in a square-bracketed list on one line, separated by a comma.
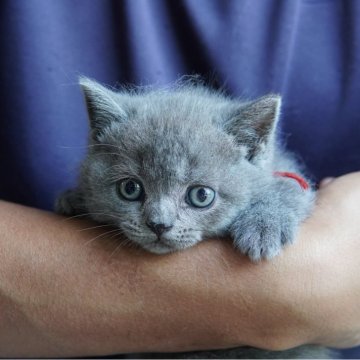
[(160, 247)]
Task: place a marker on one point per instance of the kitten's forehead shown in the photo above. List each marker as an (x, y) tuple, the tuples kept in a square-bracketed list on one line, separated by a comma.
[(175, 139), (178, 153)]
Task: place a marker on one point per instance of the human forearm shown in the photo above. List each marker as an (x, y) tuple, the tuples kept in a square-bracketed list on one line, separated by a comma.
[(63, 296)]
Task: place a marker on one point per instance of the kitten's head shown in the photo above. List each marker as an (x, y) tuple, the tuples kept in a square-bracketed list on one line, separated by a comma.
[(170, 167)]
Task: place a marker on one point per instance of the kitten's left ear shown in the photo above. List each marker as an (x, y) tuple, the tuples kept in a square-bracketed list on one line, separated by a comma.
[(103, 104), (253, 125)]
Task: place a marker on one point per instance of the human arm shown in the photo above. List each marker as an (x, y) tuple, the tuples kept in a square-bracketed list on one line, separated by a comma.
[(63, 296)]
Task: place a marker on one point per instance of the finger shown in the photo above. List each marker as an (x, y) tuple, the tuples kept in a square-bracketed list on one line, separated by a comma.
[(326, 181)]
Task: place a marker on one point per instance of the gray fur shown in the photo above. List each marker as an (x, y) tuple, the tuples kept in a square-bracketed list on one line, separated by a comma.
[(172, 139)]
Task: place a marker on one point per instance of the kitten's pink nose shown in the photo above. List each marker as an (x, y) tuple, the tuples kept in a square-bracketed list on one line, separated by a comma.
[(158, 229)]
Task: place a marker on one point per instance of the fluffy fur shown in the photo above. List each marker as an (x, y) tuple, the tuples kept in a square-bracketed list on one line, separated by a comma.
[(171, 141)]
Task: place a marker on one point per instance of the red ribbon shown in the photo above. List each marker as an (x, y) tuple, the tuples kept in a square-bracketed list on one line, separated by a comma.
[(302, 182)]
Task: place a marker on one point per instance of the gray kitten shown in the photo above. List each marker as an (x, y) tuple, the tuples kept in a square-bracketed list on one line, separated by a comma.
[(171, 167)]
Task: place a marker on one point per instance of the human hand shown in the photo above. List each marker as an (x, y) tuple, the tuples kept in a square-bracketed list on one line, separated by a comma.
[(311, 292), (338, 249)]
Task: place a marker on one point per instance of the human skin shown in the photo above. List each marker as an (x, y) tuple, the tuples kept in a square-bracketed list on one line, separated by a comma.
[(62, 294)]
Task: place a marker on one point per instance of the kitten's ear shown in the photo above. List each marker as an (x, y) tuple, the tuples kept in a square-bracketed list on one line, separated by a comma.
[(253, 125), (103, 105)]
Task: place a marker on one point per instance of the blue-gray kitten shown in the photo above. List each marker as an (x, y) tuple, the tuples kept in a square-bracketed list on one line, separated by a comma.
[(171, 167)]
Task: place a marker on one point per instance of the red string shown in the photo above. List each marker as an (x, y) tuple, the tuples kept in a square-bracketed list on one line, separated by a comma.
[(302, 182)]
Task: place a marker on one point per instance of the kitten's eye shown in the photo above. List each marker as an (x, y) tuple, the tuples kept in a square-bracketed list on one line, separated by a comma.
[(129, 189), (201, 196)]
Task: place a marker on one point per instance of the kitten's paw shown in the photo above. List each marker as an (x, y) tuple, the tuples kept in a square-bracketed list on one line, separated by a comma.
[(68, 203), (258, 233)]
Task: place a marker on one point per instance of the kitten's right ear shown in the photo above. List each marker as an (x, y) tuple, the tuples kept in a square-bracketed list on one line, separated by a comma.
[(253, 126), (102, 104)]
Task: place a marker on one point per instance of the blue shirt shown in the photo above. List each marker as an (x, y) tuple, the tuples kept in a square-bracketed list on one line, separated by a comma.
[(306, 50)]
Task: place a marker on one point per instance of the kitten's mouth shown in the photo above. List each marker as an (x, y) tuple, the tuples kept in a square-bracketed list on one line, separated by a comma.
[(163, 242)]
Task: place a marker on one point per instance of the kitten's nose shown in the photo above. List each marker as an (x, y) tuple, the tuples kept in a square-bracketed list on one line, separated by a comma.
[(158, 229)]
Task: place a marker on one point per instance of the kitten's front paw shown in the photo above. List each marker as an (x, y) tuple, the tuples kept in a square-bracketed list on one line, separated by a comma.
[(69, 203), (260, 233)]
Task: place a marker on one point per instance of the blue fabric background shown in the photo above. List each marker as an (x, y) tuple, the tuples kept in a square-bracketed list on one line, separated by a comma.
[(307, 50)]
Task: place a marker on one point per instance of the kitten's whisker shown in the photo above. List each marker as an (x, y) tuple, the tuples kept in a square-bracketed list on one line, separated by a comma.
[(129, 227), (71, 147), (104, 144), (87, 214), (116, 234), (108, 153), (74, 216), (125, 242), (94, 227), (87, 146), (120, 245), (99, 236)]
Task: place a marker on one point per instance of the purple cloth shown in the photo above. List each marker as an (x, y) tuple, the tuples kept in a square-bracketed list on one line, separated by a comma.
[(306, 50)]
